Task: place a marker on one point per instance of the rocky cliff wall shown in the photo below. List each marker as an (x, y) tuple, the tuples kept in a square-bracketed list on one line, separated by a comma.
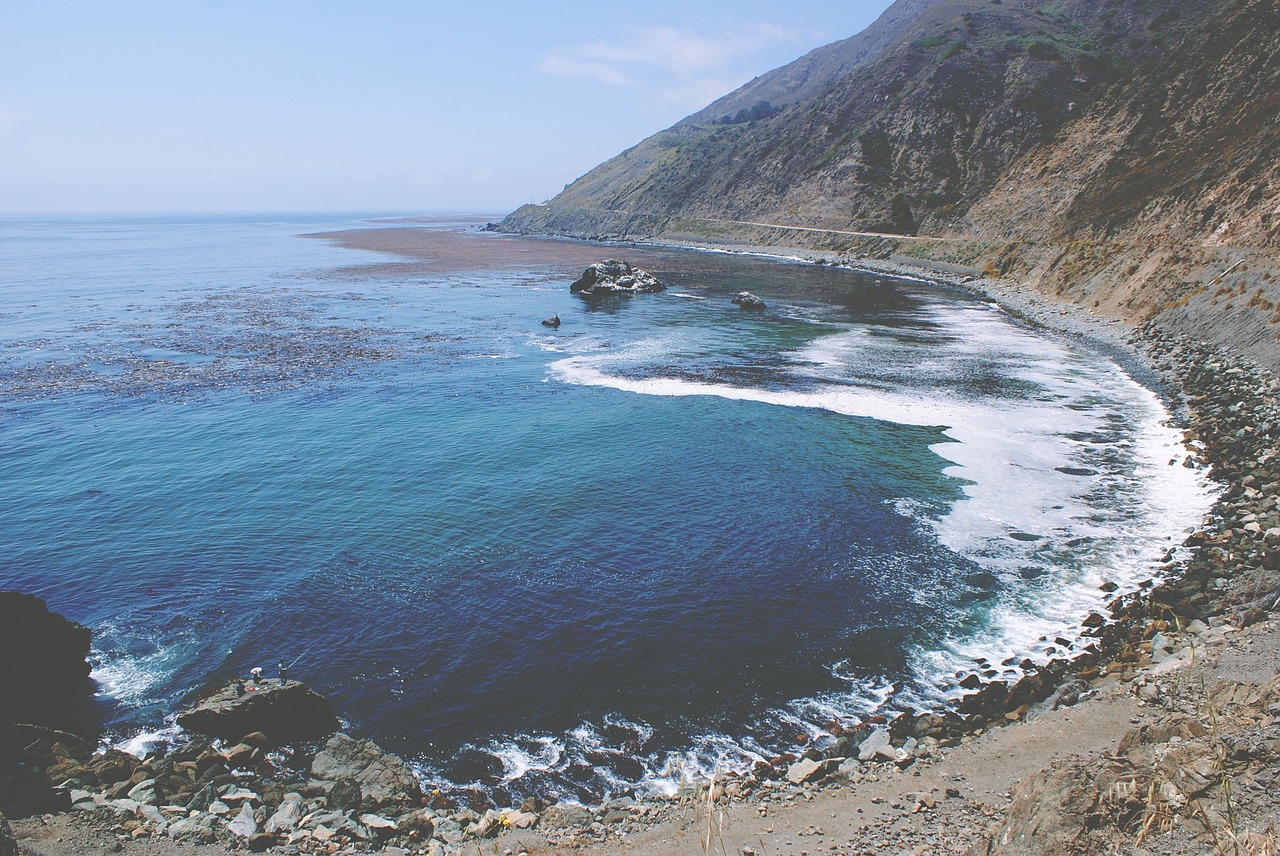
[(1119, 155)]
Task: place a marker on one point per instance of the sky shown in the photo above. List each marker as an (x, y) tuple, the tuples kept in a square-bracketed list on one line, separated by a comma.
[(382, 105)]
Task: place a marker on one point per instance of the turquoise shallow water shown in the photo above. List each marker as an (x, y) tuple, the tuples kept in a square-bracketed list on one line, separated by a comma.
[(667, 535)]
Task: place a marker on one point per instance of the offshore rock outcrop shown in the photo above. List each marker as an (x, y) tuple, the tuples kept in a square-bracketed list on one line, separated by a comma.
[(615, 277), (285, 711)]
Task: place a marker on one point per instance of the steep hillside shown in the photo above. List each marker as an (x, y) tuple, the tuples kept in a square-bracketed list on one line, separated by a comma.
[(1118, 154), (904, 139)]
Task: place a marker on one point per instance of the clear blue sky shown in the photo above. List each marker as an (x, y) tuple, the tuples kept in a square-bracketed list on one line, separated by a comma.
[(233, 105)]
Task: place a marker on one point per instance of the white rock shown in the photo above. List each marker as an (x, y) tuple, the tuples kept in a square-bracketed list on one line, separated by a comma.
[(244, 825), (804, 770), (151, 814), (285, 819), (374, 821), (124, 806), (144, 792), (877, 740), (517, 819)]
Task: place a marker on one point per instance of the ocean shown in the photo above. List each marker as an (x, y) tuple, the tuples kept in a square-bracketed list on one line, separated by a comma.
[(668, 536)]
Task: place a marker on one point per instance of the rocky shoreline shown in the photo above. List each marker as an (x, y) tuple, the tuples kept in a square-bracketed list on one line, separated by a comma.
[(249, 793)]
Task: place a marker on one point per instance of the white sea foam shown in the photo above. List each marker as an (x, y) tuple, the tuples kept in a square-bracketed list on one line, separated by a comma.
[(130, 667), (142, 743), (1071, 469)]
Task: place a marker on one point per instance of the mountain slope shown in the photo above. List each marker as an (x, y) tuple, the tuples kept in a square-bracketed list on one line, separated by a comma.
[(1119, 154), (906, 137)]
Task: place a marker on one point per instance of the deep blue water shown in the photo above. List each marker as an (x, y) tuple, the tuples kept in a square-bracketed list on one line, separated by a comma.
[(667, 535)]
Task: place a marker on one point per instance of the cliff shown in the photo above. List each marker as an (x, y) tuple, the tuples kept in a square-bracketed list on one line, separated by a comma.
[(1119, 155)]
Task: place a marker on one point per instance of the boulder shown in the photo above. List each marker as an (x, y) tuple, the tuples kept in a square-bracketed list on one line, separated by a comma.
[(42, 660), (810, 770), (615, 277), (346, 795), (382, 777), (553, 321), (261, 842), (8, 843), (567, 815), (198, 828), (286, 817), (1059, 808), (244, 825), (421, 822), (747, 300), (287, 712), (877, 743)]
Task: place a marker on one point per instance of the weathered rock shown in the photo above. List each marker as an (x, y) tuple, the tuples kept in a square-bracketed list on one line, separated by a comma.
[(486, 827), (260, 842), (144, 792), (241, 755), (747, 300), (286, 816), (567, 816), (804, 770), (874, 744), (44, 655), (615, 277), (1054, 810), (286, 712), (199, 828), (514, 819), (244, 824), (377, 822), (809, 770), (8, 843), (382, 777), (346, 795), (421, 823)]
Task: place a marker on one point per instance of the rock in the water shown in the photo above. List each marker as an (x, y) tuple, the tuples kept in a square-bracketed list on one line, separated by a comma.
[(382, 777), (553, 321), (42, 659), (287, 712), (615, 277), (747, 300)]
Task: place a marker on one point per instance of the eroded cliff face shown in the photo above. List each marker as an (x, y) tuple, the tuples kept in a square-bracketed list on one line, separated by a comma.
[(1118, 154)]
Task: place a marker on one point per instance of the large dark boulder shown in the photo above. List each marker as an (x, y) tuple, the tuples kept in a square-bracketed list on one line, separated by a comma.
[(43, 663), (615, 277), (286, 713), (8, 843)]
